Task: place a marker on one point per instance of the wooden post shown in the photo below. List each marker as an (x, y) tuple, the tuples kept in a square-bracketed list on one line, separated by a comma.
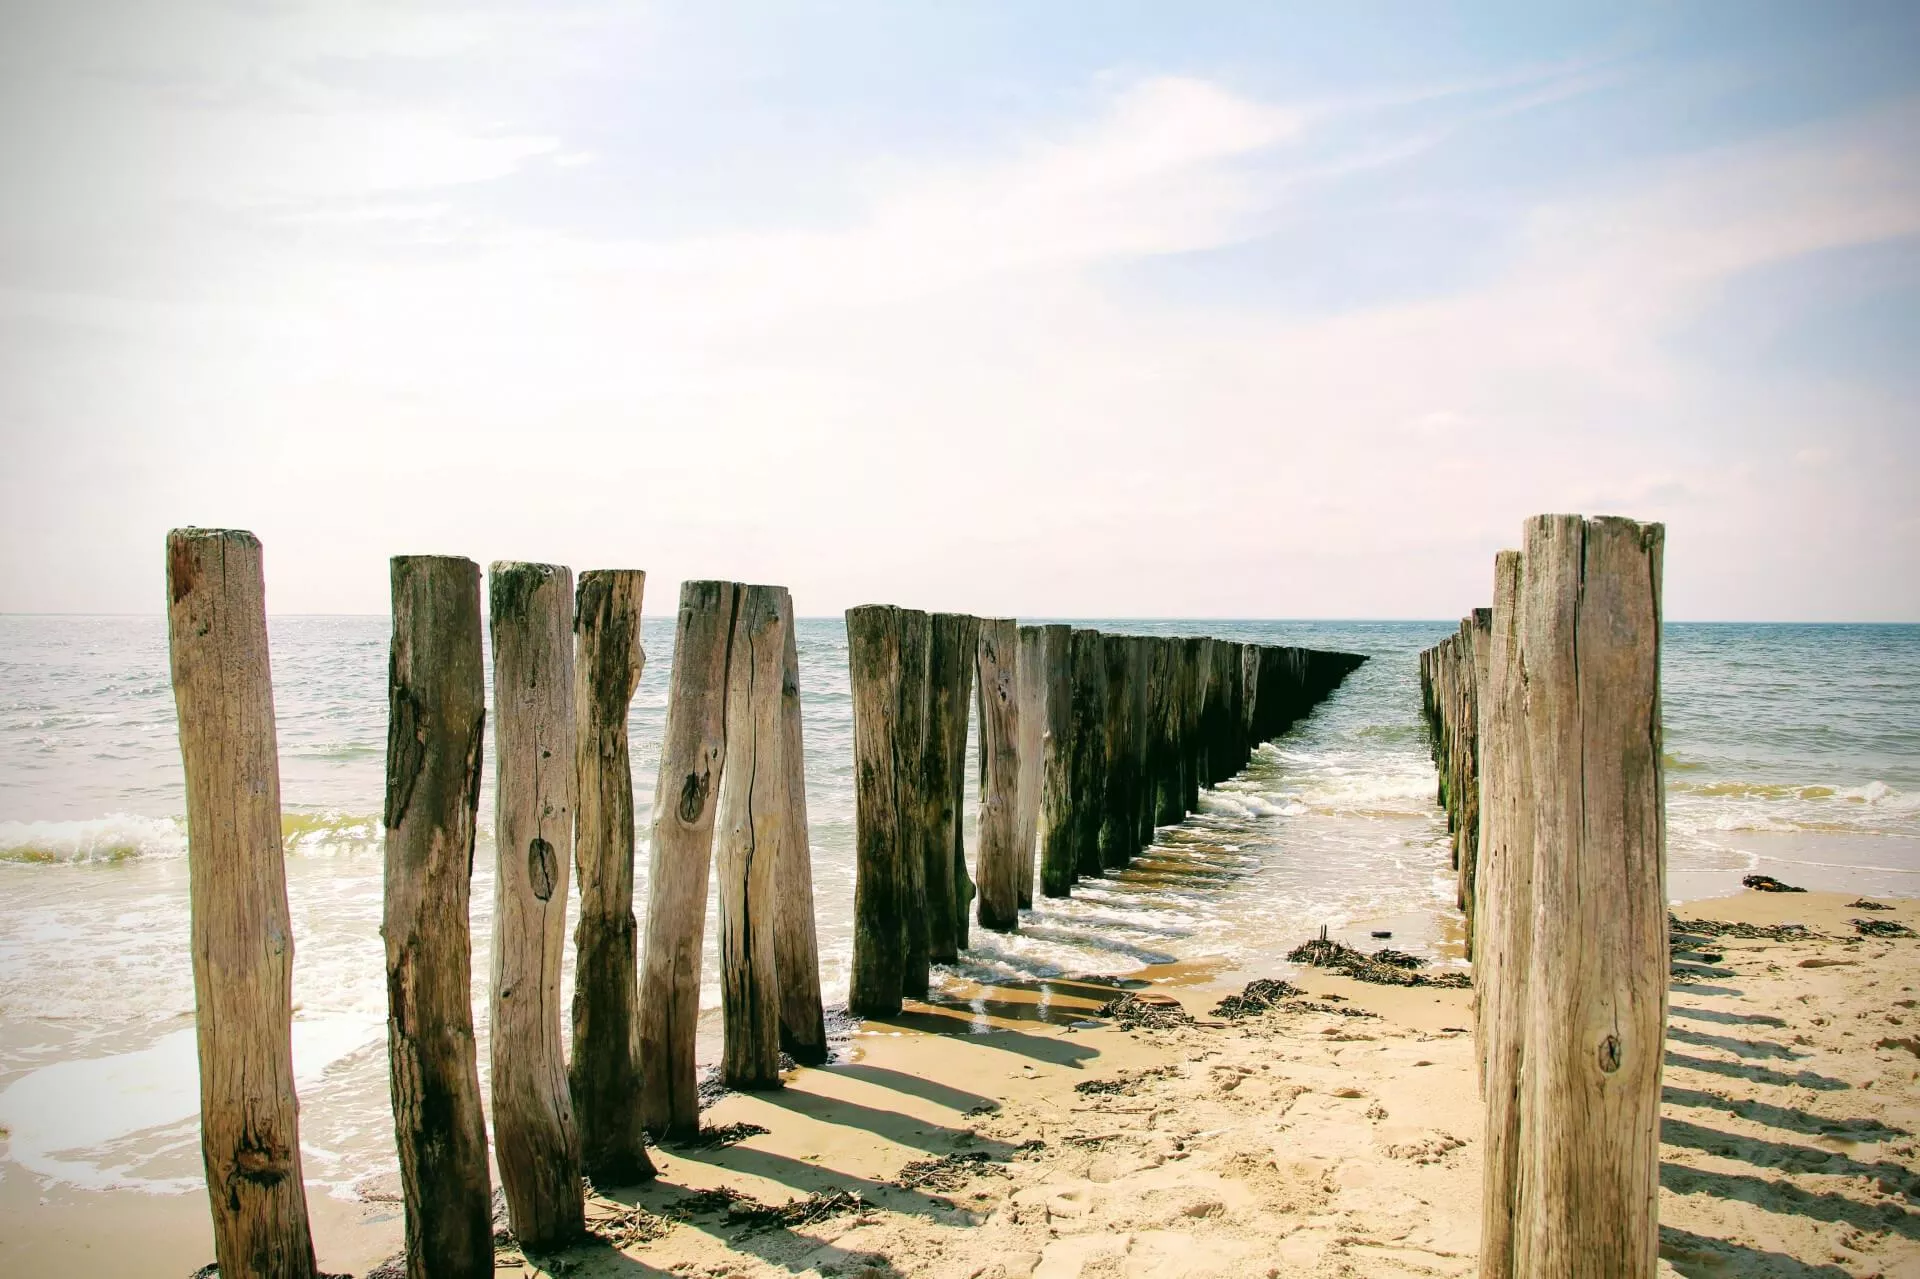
[(751, 827), (1195, 658), (1170, 781), (1089, 748), (999, 855), (1139, 726), (605, 1074), (1597, 971), (1033, 735), (1474, 659), (950, 663), (1504, 903), (1118, 823), (692, 765), (803, 1029), (1249, 701), (242, 938), (880, 881), (534, 1141), (436, 725), (913, 744), (1058, 853)]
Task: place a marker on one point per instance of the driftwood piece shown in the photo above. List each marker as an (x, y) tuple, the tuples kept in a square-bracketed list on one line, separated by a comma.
[(692, 764), (241, 934), (436, 726), (605, 1073), (803, 1030), (999, 855), (534, 1140), (750, 829)]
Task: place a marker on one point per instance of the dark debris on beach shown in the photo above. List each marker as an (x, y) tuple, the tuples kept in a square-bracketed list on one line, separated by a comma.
[(1881, 928), (1385, 967), (1863, 904), (1768, 884), (1147, 1012), (1734, 928), (1260, 995)]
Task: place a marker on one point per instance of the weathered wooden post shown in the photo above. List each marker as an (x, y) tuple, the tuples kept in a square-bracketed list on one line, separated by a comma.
[(1118, 824), (803, 1029), (1058, 801), (436, 725), (1504, 902), (750, 828), (1089, 741), (242, 937), (950, 663), (999, 856), (1033, 735), (1139, 722), (1170, 787), (1474, 660), (534, 1141), (1196, 655), (1597, 970), (880, 876), (692, 764), (913, 742), (605, 1075)]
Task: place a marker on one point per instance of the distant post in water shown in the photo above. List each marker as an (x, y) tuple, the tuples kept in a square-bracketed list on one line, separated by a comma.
[(1058, 801), (1597, 970), (1033, 736), (880, 881), (692, 757), (436, 726), (752, 827), (999, 857), (534, 1140), (242, 937), (950, 663), (605, 1074), (803, 1029)]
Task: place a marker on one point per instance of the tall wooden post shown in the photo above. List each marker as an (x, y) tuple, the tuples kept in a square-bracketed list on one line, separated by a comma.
[(880, 877), (913, 743), (1033, 735), (1170, 780), (1089, 748), (436, 725), (692, 764), (534, 1140), (1597, 971), (1118, 822), (1140, 729), (1058, 801), (1504, 903), (605, 1074), (803, 1030), (1195, 656), (242, 938), (954, 636), (999, 856), (751, 827)]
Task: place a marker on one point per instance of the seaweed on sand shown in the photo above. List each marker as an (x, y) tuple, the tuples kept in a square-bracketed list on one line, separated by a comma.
[(1149, 1012), (1259, 995), (1385, 967)]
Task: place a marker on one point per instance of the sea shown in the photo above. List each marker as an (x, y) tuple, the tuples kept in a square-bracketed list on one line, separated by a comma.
[(1790, 750)]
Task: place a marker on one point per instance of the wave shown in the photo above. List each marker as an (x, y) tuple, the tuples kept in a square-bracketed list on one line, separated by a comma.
[(119, 837)]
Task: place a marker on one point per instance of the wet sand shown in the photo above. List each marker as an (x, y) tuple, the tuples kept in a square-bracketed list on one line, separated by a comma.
[(1000, 1136)]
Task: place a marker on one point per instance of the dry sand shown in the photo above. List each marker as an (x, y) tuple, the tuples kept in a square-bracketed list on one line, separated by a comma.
[(1299, 1142)]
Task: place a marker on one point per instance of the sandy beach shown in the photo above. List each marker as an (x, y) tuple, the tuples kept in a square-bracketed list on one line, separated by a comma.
[(1016, 1134)]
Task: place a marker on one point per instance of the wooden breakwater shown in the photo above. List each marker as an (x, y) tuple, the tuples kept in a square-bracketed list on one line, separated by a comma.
[(1545, 717), (1088, 741)]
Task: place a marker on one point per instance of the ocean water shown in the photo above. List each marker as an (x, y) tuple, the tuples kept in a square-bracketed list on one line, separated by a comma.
[(1794, 750)]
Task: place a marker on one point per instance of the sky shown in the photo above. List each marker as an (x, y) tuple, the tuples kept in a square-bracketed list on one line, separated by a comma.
[(1116, 309)]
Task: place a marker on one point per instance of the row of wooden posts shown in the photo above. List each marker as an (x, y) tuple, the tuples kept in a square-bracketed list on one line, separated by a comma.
[(1545, 717), (1087, 742)]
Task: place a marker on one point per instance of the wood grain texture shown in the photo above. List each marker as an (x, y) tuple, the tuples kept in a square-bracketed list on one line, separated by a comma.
[(950, 670), (436, 727), (750, 830), (685, 800), (1058, 852), (534, 1140), (605, 1073), (240, 933), (915, 783), (1119, 825), (1597, 970), (999, 855), (803, 1029), (1088, 748)]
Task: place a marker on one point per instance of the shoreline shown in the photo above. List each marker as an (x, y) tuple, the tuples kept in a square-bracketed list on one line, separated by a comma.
[(1340, 1132)]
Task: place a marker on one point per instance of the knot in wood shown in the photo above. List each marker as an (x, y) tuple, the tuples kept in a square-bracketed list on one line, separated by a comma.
[(542, 868), (693, 796), (1610, 1054)]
